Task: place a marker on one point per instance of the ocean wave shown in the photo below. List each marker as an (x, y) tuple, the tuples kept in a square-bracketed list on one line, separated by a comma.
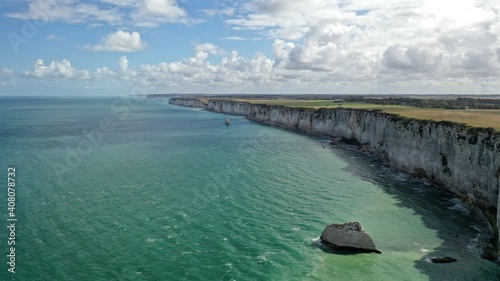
[(317, 242), (458, 206)]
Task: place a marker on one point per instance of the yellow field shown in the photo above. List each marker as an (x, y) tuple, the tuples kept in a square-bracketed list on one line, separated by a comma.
[(321, 104), (474, 117)]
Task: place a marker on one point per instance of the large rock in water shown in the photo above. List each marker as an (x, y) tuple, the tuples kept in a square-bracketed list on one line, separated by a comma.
[(348, 235)]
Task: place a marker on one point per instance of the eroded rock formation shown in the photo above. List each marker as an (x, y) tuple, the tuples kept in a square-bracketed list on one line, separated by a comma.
[(348, 235)]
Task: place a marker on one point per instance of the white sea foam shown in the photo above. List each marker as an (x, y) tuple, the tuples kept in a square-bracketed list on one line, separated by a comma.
[(419, 189), (478, 235), (460, 208), (261, 258), (476, 228), (317, 241)]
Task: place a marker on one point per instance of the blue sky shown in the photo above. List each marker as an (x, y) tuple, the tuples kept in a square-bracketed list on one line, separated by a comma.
[(107, 47)]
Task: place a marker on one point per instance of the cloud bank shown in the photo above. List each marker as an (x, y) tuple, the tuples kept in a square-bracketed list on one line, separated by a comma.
[(119, 41), (147, 13), (319, 46)]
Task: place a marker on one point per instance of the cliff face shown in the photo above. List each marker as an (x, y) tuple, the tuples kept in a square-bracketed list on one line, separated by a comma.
[(464, 160), (187, 102)]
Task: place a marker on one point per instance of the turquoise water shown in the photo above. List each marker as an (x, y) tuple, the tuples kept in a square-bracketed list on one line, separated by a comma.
[(170, 193)]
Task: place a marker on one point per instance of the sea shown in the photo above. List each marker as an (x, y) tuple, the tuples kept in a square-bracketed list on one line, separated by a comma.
[(132, 188)]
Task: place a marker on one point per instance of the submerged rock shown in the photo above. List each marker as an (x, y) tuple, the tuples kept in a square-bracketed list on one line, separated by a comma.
[(443, 260), (489, 253), (348, 235)]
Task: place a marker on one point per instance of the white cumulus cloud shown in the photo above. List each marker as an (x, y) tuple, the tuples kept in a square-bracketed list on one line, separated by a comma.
[(146, 13), (120, 41), (379, 41), (57, 69), (210, 48), (69, 11), (152, 13), (123, 64), (6, 71)]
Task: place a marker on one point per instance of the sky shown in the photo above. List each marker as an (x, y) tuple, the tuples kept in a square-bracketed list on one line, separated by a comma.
[(119, 47)]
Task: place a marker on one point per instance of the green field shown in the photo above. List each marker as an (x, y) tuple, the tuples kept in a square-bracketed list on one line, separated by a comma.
[(474, 117)]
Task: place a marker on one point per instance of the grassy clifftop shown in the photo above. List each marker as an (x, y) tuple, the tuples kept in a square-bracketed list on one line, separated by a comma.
[(483, 118)]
